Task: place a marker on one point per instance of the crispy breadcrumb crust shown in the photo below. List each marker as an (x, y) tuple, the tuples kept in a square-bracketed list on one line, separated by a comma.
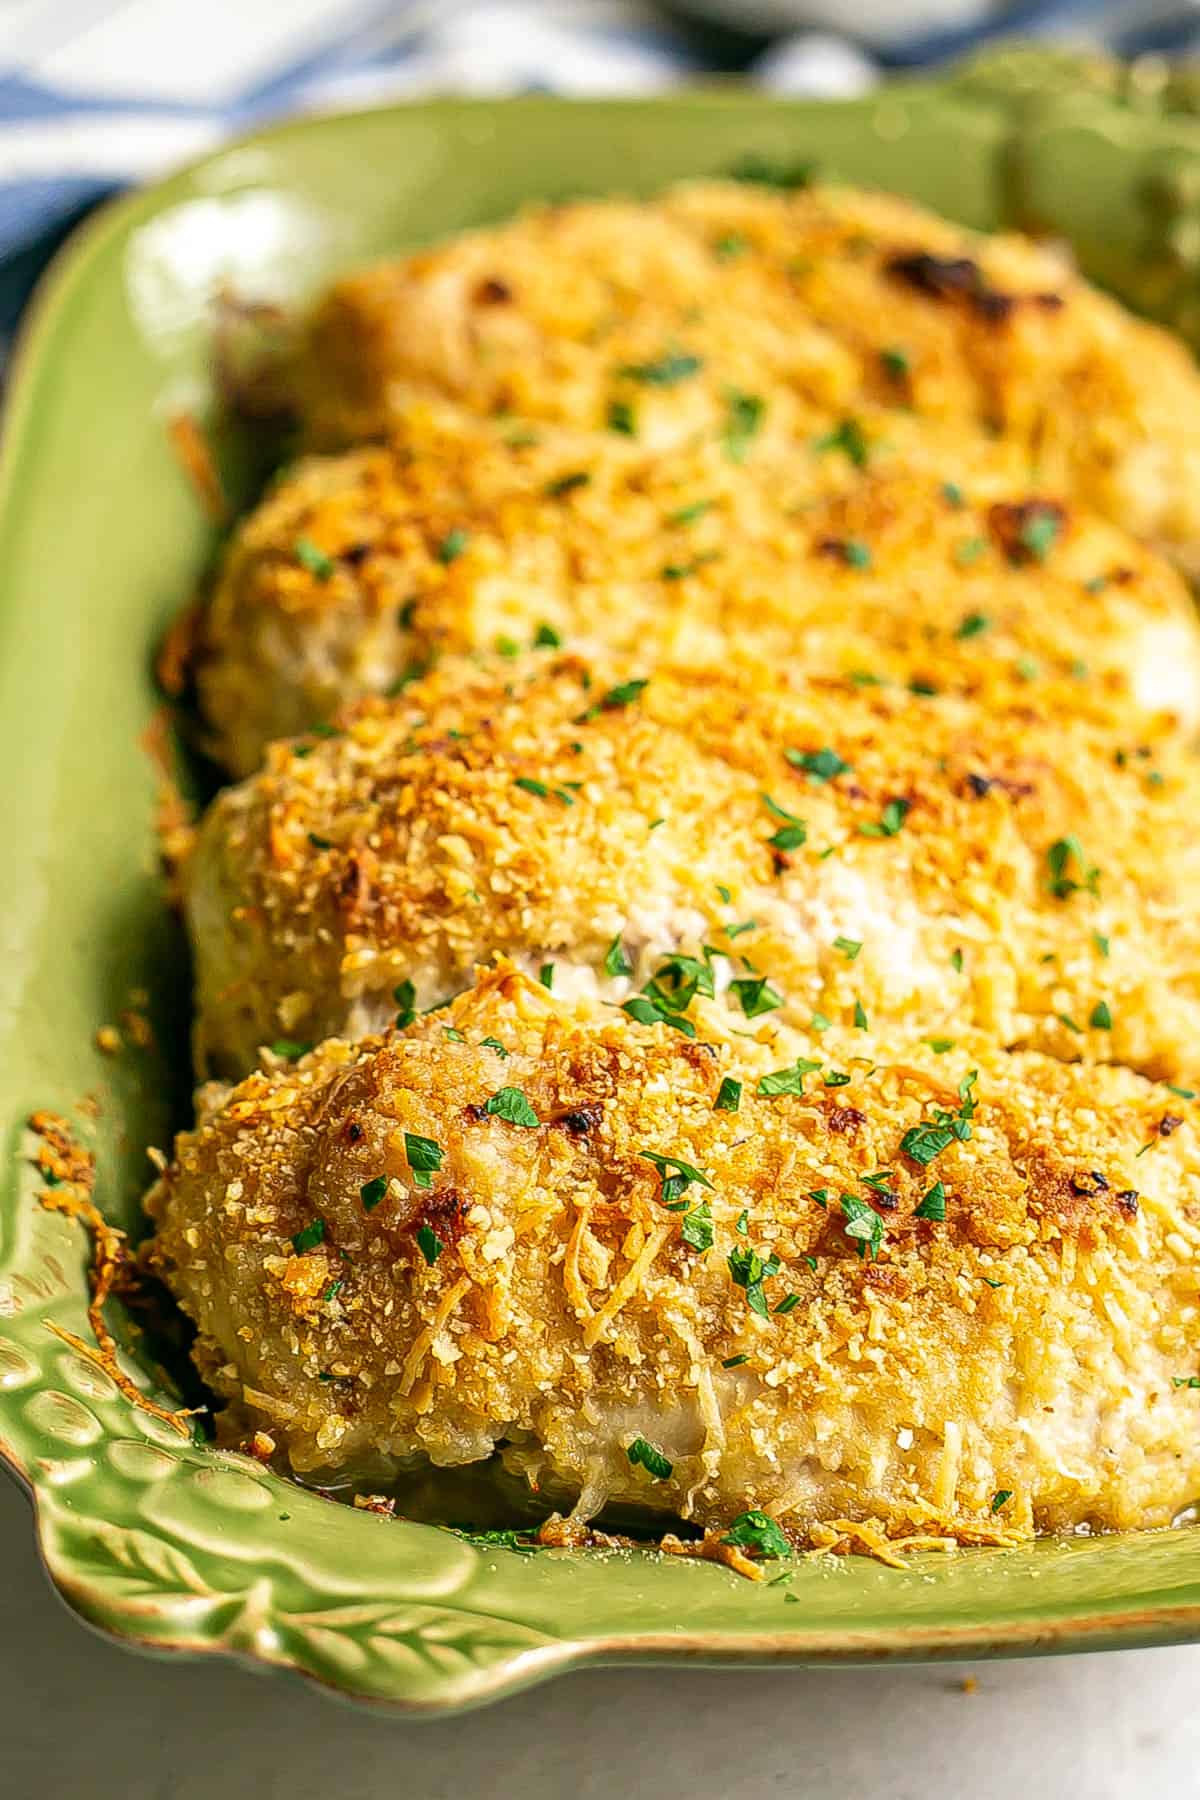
[(853, 549), (1030, 1352), (552, 808), (824, 297)]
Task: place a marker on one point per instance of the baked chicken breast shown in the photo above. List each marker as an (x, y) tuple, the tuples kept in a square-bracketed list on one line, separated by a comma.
[(826, 851), (857, 553), (682, 316), (829, 1279)]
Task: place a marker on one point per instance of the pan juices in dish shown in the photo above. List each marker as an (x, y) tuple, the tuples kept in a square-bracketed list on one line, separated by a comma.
[(875, 549), (845, 1278), (825, 296)]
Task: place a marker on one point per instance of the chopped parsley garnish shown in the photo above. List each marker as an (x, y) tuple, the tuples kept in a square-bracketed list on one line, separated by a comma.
[(742, 1223), (743, 418), (818, 765), (429, 1244), (674, 366), (953, 495), (373, 1191), (405, 995), (616, 959), (755, 995), (621, 417), (969, 550), (491, 1043), (546, 638), (789, 1080), (1184, 1093), (512, 1105), (896, 363), (1039, 531), (424, 1158), (507, 646), (309, 1236), (956, 961), (1101, 1016), (687, 515), (677, 1175), (731, 245), (821, 1196), (529, 786), (314, 560), (291, 1048), (624, 694), (453, 545), (756, 1531), (819, 1023), (567, 484), (891, 821), (836, 1078), (933, 1206), (546, 976), (847, 436), (735, 1362), (765, 172), (736, 931), (1185, 1381), (939, 1046), (1062, 854), (749, 1269), (1101, 942), (696, 1226), (332, 1291), (1001, 1498), (856, 554), (926, 1141), (729, 1095), (860, 1017), (1068, 1021), (863, 1224), (792, 833), (643, 1454), (849, 947), (652, 1009), (972, 625)]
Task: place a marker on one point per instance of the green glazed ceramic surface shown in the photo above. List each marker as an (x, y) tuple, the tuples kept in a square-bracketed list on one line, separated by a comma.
[(170, 1544)]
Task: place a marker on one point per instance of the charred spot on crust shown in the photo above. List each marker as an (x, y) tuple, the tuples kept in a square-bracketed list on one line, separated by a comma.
[(1168, 1124), (353, 1131), (844, 1118), (474, 1113), (1090, 1183), (493, 292), (961, 278), (838, 549), (354, 555), (441, 1212), (1127, 1200), (354, 887), (579, 1121), (1018, 525)]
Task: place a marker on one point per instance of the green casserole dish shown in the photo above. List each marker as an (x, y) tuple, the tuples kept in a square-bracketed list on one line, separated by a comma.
[(169, 1544)]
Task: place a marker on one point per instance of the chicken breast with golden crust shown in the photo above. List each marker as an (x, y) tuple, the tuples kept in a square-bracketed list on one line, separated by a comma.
[(854, 553), (676, 317), (945, 1293), (827, 852)]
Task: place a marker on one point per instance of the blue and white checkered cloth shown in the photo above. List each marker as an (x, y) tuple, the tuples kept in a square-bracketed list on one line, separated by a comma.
[(95, 94)]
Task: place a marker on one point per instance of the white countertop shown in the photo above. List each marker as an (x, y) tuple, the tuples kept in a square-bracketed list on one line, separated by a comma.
[(79, 1716)]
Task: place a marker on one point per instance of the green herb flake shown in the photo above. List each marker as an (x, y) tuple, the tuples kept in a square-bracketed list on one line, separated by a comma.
[(819, 765), (1101, 942), (743, 419), (788, 1304), (314, 560), (849, 947), (1000, 1498), (373, 1191), (546, 638), (933, 1206), (732, 245), (644, 1455), (969, 550), (567, 484), (696, 1227), (953, 495), (405, 996), (863, 1224), (896, 364), (622, 418), (956, 961), (425, 1158), (742, 1223), (512, 1105), (546, 976), (972, 625), (860, 1017), (939, 1046), (789, 1080), (616, 959), (890, 822), (309, 1236), (1039, 532), (1184, 1093), (848, 437), (667, 371), (1185, 1381), (332, 1292), (765, 171), (1101, 1016), (735, 1362), (729, 1096), (452, 545), (748, 1269), (687, 515), (491, 1043), (757, 1532), (291, 1048), (429, 1244), (1063, 855), (755, 995), (820, 1023)]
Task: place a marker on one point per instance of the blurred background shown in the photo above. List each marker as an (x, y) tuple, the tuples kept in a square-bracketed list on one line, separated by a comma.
[(95, 94)]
